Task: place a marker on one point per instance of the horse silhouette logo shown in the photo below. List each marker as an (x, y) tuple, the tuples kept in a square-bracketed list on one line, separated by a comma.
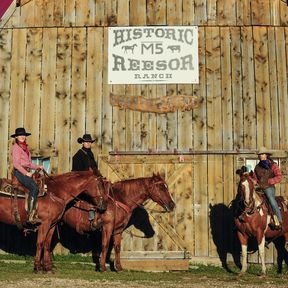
[(174, 48), (129, 47)]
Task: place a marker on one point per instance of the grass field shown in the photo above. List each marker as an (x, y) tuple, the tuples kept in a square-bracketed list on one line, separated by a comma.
[(78, 271)]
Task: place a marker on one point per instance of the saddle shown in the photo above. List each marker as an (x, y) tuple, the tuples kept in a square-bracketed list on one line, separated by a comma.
[(281, 204)]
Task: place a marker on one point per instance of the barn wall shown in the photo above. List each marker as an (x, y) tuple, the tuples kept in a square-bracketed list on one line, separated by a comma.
[(53, 60)]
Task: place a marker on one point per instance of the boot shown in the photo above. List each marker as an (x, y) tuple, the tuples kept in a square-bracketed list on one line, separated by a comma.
[(33, 217), (276, 224)]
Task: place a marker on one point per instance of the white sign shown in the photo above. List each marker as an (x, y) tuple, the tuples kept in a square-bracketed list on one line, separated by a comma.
[(153, 55)]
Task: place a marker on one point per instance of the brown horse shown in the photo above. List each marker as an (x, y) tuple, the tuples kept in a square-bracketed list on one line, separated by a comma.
[(125, 196), (61, 190), (253, 218), (77, 235)]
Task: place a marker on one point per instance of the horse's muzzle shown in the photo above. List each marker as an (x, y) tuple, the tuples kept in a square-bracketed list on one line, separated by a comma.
[(170, 207)]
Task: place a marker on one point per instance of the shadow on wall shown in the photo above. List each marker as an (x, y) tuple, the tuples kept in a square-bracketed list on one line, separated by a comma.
[(14, 241), (224, 235)]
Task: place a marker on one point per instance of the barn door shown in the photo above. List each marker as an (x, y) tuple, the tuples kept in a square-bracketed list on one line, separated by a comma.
[(173, 231)]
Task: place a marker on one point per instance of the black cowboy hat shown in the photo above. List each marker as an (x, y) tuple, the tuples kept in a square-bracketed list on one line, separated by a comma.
[(85, 138), (20, 132)]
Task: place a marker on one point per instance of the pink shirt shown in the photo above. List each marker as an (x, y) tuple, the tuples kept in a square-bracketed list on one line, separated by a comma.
[(21, 161)]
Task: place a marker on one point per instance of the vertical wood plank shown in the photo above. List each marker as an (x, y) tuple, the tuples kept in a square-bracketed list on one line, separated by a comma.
[(5, 73), (47, 116), (262, 86), (149, 123), (260, 11), (283, 14), (156, 12), (275, 12), (82, 13), (201, 16), (28, 16), (137, 12), (162, 136), (70, 13), (100, 13), (282, 53), (59, 12), (48, 15), (211, 12), (236, 75), (199, 90), (188, 12), (174, 12), (226, 12), (106, 107), (201, 204), (184, 122), (215, 191), (248, 83), (172, 122), (95, 60), (78, 87), (33, 85), (63, 93), (243, 11), (273, 89), (226, 87), (214, 119), (17, 78), (123, 13)]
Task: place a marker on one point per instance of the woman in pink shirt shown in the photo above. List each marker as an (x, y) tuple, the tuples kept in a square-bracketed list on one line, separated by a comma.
[(22, 164)]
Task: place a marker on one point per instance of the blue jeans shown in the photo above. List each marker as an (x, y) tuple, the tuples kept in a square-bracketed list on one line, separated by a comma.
[(27, 182), (270, 193)]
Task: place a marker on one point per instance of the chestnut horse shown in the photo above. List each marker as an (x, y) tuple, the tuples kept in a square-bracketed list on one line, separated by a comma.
[(125, 196), (82, 238), (253, 218), (61, 189)]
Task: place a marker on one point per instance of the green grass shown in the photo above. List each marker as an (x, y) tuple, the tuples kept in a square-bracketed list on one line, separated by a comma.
[(80, 267)]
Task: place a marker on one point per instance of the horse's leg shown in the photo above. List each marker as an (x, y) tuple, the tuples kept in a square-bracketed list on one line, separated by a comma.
[(281, 252), (42, 234), (261, 247), (47, 255), (106, 236), (117, 249), (244, 243)]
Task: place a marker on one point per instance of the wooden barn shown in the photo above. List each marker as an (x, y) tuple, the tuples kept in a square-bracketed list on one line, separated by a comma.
[(54, 81)]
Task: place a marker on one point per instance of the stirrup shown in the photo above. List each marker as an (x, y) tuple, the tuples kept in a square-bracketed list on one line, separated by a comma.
[(96, 226), (33, 218)]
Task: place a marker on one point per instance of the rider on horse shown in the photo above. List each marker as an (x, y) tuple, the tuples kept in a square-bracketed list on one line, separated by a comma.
[(84, 160), (267, 174), (22, 164)]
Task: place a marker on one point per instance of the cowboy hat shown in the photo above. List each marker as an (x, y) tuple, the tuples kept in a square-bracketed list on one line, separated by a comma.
[(85, 138), (20, 132), (264, 150)]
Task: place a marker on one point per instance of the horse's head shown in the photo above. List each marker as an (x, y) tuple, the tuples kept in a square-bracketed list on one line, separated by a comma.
[(159, 192), (97, 188), (246, 186)]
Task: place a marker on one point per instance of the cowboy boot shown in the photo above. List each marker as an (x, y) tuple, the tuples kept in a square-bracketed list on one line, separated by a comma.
[(33, 217)]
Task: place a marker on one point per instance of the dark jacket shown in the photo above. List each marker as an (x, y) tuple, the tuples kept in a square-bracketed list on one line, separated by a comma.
[(83, 160), (267, 177)]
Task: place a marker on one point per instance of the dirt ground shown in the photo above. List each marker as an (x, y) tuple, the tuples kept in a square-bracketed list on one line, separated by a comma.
[(57, 282)]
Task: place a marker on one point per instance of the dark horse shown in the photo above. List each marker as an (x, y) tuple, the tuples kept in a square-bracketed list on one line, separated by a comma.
[(253, 219), (61, 189), (125, 196)]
